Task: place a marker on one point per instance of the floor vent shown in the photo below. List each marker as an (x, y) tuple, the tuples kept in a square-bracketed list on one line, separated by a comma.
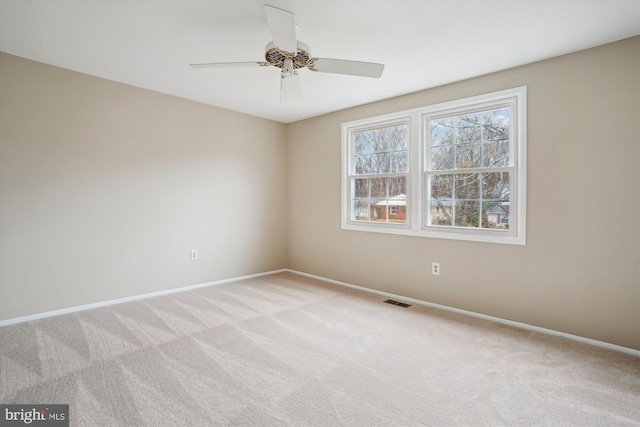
[(398, 303)]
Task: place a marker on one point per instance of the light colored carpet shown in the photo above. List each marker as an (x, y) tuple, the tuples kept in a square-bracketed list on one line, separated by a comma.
[(289, 350)]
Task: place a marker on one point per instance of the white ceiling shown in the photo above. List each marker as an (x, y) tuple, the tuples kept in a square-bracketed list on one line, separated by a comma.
[(424, 44)]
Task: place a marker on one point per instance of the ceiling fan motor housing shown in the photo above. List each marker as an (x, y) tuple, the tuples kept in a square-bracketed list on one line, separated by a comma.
[(276, 57)]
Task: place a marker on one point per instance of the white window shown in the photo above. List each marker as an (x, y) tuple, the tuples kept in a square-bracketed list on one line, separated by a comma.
[(378, 172), (455, 170)]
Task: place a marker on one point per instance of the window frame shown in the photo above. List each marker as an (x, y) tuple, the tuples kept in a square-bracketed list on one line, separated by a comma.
[(418, 156)]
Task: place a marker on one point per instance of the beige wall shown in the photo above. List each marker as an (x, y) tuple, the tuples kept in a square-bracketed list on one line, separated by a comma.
[(578, 272), (105, 189)]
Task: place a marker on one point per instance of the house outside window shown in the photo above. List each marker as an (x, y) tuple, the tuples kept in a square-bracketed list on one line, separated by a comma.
[(455, 170)]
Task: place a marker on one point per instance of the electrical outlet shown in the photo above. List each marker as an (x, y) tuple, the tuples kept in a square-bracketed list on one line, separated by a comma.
[(435, 268), (194, 254)]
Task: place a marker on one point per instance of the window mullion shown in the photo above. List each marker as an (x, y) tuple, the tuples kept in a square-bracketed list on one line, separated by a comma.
[(453, 199), (369, 198), (480, 198), (386, 200)]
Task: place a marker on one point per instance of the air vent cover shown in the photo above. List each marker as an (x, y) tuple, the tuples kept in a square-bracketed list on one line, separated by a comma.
[(398, 303)]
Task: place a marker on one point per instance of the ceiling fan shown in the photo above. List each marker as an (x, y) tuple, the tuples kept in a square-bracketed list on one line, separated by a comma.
[(289, 54)]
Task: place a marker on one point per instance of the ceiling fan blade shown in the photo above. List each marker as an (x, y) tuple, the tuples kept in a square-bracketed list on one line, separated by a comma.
[(282, 24), (342, 66), (290, 88), (227, 64)]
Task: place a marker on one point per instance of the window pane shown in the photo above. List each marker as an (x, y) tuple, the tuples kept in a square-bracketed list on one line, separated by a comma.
[(362, 165), (440, 212), (442, 158), (398, 187), (361, 188), (495, 214), (469, 129), (467, 186), (495, 186), (496, 124), (467, 214), (363, 143), (378, 210), (399, 161), (379, 187), (468, 156), (360, 210), (442, 187), (495, 153), (380, 163), (396, 138), (442, 132)]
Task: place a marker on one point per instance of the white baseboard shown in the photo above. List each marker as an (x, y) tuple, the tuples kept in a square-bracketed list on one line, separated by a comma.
[(526, 326), (128, 299)]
